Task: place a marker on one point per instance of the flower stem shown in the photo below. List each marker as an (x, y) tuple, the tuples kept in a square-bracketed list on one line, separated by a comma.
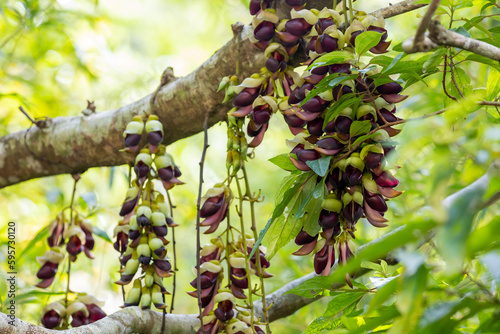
[(198, 208), (257, 255)]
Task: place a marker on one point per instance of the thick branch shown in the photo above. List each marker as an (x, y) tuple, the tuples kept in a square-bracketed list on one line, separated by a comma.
[(75, 144), (440, 36)]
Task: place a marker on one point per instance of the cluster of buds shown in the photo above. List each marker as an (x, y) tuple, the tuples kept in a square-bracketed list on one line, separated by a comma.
[(140, 235), (84, 310), (237, 147), (218, 303), (358, 181), (75, 237)]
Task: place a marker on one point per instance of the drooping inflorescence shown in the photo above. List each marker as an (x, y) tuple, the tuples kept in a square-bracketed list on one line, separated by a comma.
[(140, 235), (340, 106)]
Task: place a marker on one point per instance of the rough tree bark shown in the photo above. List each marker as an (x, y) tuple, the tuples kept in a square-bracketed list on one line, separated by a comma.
[(134, 320), (77, 143)]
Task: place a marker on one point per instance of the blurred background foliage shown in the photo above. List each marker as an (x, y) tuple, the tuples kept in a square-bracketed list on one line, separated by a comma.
[(55, 55)]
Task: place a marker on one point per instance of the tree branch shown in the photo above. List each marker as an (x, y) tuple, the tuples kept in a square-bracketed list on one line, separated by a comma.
[(76, 143), (440, 36)]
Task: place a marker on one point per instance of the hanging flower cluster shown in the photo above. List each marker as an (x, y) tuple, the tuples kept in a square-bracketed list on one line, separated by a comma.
[(140, 235), (73, 237), (84, 310), (340, 110), (221, 313)]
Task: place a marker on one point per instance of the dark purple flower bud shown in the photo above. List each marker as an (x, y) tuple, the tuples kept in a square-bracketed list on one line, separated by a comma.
[(160, 231), (304, 238), (328, 219), (264, 31), (340, 68), (343, 124), (166, 173), (322, 24), (336, 180), (352, 176), (320, 70), (141, 169), (324, 259), (307, 155), (373, 160), (386, 179), (211, 206), (132, 139), (330, 143), (246, 97), (261, 114), (224, 310), (48, 270), (51, 319), (155, 138), (254, 6), (294, 121), (142, 220), (276, 62), (315, 127), (390, 88), (121, 242), (79, 319), (327, 43), (352, 211), (74, 246), (315, 104), (301, 92), (297, 27), (238, 278), (376, 202), (95, 313)]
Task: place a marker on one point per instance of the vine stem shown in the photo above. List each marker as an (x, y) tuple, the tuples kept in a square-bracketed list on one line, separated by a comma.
[(174, 251), (198, 208), (344, 5), (245, 252), (351, 16), (257, 256), (76, 177)]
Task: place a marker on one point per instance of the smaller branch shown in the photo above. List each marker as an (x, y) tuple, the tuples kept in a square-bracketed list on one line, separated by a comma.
[(422, 28), (171, 206), (439, 35), (489, 103), (26, 114), (398, 9), (198, 207)]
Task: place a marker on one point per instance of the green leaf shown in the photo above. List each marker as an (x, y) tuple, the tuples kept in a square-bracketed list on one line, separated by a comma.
[(335, 57), (394, 61), (335, 109), (363, 138), (435, 59), (39, 236), (340, 302), (366, 40), (360, 128), (312, 287), (493, 85), (290, 196), (383, 294), (320, 166), (101, 234), (327, 83), (283, 161), (481, 59), (320, 324), (371, 265)]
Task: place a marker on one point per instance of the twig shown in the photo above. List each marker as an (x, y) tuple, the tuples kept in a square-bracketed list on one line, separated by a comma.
[(422, 28), (453, 78), (444, 79), (26, 114), (76, 178), (198, 208), (245, 252), (170, 204)]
